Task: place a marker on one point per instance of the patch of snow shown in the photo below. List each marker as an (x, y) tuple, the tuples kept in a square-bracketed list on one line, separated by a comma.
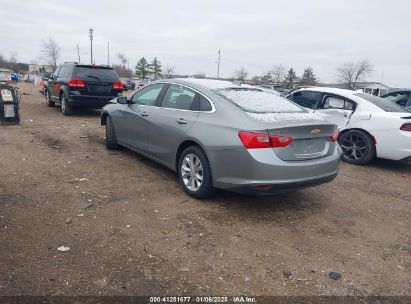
[(213, 84), (260, 101), (274, 117)]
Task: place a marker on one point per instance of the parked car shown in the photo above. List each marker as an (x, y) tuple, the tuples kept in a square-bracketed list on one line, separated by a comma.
[(216, 134), (370, 126), (128, 84), (76, 85), (274, 87), (402, 98), (143, 83)]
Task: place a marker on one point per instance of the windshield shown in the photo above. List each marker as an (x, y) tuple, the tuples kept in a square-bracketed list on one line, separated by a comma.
[(257, 101), (382, 103), (99, 74)]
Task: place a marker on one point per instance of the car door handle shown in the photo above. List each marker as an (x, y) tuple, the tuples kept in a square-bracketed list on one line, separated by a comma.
[(181, 121), (144, 114)]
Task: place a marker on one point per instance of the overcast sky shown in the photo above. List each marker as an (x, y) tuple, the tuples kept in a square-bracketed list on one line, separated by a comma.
[(187, 34)]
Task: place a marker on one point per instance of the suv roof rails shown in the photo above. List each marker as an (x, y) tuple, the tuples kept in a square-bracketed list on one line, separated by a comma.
[(73, 62)]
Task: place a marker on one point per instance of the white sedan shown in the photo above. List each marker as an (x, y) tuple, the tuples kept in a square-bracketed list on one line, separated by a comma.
[(369, 126)]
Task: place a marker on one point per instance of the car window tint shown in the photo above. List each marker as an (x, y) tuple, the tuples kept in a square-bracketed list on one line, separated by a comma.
[(258, 101), (205, 104), (96, 74), (148, 95), (307, 99), (382, 103), (178, 97)]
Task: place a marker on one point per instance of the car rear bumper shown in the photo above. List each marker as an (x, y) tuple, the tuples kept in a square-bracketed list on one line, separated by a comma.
[(90, 101), (260, 171)]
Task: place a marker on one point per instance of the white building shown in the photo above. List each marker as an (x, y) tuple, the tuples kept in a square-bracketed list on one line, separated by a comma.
[(5, 74), (374, 88)]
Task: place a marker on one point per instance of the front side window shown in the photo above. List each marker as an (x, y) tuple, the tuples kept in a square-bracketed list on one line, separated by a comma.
[(178, 97), (148, 95), (257, 101), (306, 99)]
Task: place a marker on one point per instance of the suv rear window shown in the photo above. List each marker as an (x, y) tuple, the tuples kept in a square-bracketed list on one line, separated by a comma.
[(382, 103), (96, 73), (256, 101)]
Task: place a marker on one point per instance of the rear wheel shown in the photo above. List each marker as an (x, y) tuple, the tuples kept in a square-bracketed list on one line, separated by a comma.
[(49, 102), (358, 147), (66, 107), (195, 173), (111, 140)]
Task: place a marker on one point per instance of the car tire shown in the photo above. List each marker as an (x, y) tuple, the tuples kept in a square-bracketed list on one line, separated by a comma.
[(111, 140), (358, 147), (49, 102), (193, 160), (66, 107)]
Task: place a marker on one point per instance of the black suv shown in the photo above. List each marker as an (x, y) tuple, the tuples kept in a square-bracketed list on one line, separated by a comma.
[(75, 85)]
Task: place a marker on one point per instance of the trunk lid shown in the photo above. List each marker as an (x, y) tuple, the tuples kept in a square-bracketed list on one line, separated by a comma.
[(310, 133)]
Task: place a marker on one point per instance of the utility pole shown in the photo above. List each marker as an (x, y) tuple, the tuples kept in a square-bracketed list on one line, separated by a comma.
[(218, 66), (78, 52), (108, 53), (91, 45)]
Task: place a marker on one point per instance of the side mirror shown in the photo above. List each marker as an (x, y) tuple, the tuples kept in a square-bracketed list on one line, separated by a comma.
[(122, 100)]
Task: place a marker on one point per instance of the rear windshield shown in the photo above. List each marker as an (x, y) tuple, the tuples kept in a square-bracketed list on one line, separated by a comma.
[(257, 101), (382, 103), (99, 74)]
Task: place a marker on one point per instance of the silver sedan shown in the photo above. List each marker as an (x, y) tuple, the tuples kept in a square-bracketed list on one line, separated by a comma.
[(217, 134)]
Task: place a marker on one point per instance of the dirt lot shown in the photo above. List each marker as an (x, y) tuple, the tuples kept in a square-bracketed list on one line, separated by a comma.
[(144, 236)]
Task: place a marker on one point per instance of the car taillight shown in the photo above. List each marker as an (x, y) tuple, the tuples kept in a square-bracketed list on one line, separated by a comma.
[(406, 127), (334, 136), (118, 85), (253, 140), (76, 83)]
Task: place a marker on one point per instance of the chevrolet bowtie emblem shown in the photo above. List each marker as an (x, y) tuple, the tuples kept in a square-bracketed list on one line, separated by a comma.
[(315, 131)]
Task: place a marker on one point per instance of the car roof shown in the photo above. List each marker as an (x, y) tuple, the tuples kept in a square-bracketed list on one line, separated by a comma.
[(209, 84), (342, 92)]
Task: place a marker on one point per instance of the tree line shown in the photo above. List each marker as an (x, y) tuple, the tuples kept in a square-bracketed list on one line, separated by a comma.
[(349, 74)]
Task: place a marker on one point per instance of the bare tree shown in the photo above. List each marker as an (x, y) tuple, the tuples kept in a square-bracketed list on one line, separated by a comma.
[(51, 51), (241, 74), (278, 74), (168, 71), (13, 57), (122, 58), (350, 73), (364, 68)]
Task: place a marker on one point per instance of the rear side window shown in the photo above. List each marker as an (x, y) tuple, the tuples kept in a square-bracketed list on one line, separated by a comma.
[(332, 102), (96, 74), (256, 101), (382, 103), (306, 99), (148, 95), (178, 97), (205, 105)]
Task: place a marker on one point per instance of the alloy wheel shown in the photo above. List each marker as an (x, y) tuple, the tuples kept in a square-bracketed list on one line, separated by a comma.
[(192, 172), (354, 146)]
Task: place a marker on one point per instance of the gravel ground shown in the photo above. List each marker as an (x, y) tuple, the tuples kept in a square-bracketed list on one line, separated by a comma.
[(131, 229)]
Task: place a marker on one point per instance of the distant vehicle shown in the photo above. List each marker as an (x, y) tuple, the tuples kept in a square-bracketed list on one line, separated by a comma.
[(128, 84), (143, 83), (402, 98), (275, 87), (76, 85), (216, 134), (370, 126)]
